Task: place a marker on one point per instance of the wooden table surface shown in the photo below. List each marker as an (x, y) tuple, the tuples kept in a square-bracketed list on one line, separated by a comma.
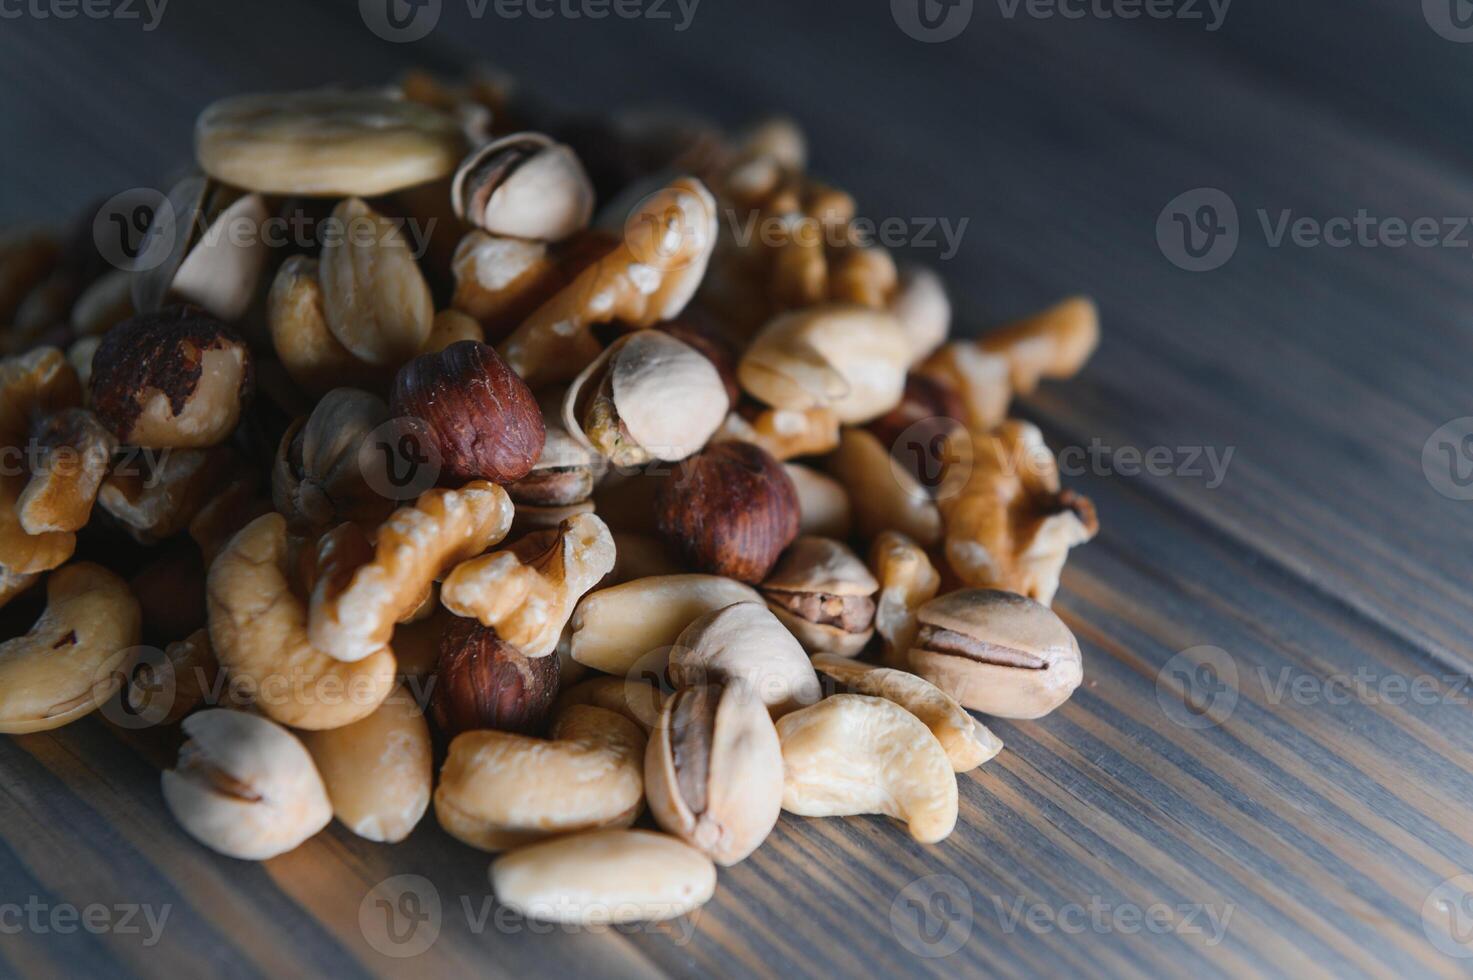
[(1300, 820)]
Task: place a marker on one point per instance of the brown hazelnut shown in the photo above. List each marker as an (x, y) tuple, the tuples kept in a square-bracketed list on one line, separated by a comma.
[(482, 681), (730, 510), (483, 418), (175, 379)]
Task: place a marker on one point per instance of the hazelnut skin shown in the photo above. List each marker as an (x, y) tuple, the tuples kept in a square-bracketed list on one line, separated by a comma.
[(730, 510), (484, 419), (481, 681)]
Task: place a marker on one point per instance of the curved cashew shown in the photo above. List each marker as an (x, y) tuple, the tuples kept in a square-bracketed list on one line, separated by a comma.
[(852, 754), (258, 628), (76, 453)]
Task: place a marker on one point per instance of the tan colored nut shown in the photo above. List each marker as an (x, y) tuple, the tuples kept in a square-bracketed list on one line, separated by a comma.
[(165, 693), (846, 358), (863, 275), (326, 143), (823, 503), (375, 299), (175, 379), (648, 278), (524, 186), (923, 309), (998, 653), (76, 655), (245, 787), (496, 277), (258, 628), (824, 595), (886, 496), (354, 611), (33, 386), (648, 396), (314, 358), (851, 754), (321, 474), (79, 356), (968, 742), (500, 790), (451, 327), (1051, 344), (378, 771), (564, 474), (155, 496), (527, 592), (15, 584), (638, 700), (103, 305), (75, 452), (908, 581), (784, 433), (714, 771), (744, 645), (613, 628), (979, 377), (607, 877), (1009, 526)]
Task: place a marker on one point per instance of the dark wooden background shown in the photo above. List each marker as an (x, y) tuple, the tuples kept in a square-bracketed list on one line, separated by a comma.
[(1322, 822)]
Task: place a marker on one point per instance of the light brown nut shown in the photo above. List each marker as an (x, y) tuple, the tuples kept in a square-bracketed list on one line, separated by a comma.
[(648, 396), (979, 377), (165, 692), (375, 299), (496, 276), (714, 771), (103, 305), (1008, 526), (998, 653), (451, 327), (76, 655), (1051, 344), (154, 496), (354, 611), (320, 477), (500, 790), (564, 474), (649, 277), (886, 496), (33, 386), (245, 787), (852, 754), (613, 628), (15, 584), (606, 877), (314, 358), (865, 275), (908, 581), (923, 309), (175, 379), (527, 592), (849, 359), (258, 628), (483, 682), (823, 503), (79, 356), (744, 645), (378, 771), (74, 452), (968, 742), (525, 186), (326, 143), (638, 700), (824, 595)]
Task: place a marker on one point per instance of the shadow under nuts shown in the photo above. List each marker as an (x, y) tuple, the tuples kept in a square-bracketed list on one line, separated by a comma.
[(483, 682)]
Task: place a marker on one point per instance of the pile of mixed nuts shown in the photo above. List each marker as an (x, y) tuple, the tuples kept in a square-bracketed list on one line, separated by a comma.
[(649, 516)]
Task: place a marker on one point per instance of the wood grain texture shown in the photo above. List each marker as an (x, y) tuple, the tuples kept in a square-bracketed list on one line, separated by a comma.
[(1324, 562)]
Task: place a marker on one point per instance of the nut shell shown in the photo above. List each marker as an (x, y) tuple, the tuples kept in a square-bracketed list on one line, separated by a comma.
[(523, 186), (823, 594)]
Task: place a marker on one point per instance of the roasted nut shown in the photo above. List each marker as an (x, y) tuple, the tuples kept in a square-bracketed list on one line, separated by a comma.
[(823, 503), (154, 497), (245, 787), (606, 877), (648, 396), (527, 592), (80, 355), (1008, 526), (320, 477), (886, 496), (784, 433), (174, 379), (824, 595), (326, 143), (852, 754), (75, 657), (730, 510), (908, 581), (483, 682), (498, 280), (378, 771), (924, 312), (980, 378), (745, 646), (374, 298), (968, 742), (451, 327), (74, 453), (355, 605), (849, 359), (186, 677), (1051, 344), (483, 418), (258, 628), (500, 790), (714, 771), (998, 653), (613, 628), (564, 474), (526, 186), (314, 358), (703, 332), (15, 584)]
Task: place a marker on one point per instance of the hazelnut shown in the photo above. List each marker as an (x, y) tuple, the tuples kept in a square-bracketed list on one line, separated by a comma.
[(483, 418), (484, 682), (730, 510), (174, 379)]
